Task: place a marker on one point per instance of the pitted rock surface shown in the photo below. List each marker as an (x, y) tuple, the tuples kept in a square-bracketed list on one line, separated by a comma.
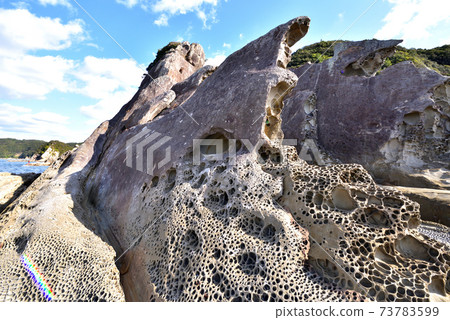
[(395, 122), (256, 224)]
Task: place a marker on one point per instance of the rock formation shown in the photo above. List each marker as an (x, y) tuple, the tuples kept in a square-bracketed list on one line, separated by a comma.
[(434, 203), (12, 186), (49, 156), (73, 261), (395, 123), (192, 186)]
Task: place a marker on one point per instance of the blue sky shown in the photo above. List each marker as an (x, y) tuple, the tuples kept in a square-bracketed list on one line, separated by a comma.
[(61, 75)]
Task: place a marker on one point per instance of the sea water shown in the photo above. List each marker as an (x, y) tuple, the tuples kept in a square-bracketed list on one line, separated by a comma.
[(19, 167)]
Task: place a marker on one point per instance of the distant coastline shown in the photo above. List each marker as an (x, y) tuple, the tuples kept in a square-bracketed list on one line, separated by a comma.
[(30, 162), (21, 166)]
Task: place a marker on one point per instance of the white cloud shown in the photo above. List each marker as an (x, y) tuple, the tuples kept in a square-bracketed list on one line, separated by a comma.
[(21, 123), (21, 31), (55, 2), (7, 109), (341, 15), (21, 5), (102, 77), (112, 82), (204, 9), (128, 3), (163, 20), (241, 36), (180, 6), (202, 16), (226, 45), (216, 60), (27, 76), (32, 77), (421, 23), (94, 45)]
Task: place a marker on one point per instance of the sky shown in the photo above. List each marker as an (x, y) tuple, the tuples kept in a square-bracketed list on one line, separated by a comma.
[(62, 74)]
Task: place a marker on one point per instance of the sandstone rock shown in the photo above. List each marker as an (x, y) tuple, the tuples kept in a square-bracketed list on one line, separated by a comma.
[(12, 186), (198, 232), (434, 203), (251, 223), (74, 262), (186, 88), (49, 156), (395, 123), (363, 237), (179, 62), (186, 247), (48, 222)]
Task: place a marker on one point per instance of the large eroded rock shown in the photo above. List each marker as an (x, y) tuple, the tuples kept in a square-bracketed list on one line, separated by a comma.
[(256, 223), (48, 222), (395, 123), (211, 231), (41, 229)]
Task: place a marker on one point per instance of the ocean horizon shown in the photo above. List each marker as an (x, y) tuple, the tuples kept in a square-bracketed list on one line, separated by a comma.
[(18, 167)]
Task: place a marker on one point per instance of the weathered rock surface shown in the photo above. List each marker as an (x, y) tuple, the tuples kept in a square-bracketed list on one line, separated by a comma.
[(252, 222), (49, 156), (40, 226), (179, 62), (48, 222), (395, 123), (434, 203), (435, 231), (12, 186)]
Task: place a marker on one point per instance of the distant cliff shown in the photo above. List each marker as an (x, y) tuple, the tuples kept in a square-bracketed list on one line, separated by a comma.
[(13, 148)]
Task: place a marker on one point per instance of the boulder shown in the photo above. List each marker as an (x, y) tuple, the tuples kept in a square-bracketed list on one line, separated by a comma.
[(178, 62), (394, 122)]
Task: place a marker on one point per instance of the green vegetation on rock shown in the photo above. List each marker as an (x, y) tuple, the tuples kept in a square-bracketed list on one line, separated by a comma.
[(437, 59), (162, 52), (13, 148), (58, 146), (440, 55), (314, 53)]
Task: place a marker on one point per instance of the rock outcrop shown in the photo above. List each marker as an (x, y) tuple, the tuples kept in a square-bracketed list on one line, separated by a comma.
[(434, 203), (47, 224), (394, 122), (49, 156), (40, 230), (192, 186), (12, 186)]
